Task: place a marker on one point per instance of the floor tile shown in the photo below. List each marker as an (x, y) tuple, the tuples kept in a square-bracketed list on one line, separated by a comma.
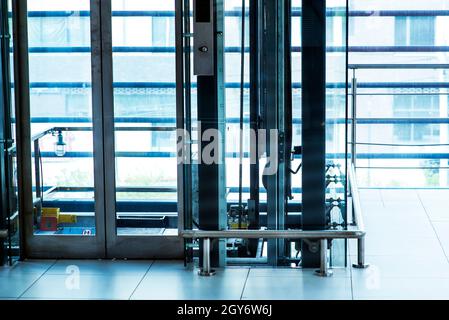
[(85, 287), (172, 285), (298, 288), (99, 267), (292, 273), (419, 266), (442, 230), (27, 267), (401, 288), (437, 212), (414, 227), (388, 244), (398, 195), (13, 285)]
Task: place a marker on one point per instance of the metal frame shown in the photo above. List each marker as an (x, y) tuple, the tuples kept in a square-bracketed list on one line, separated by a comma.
[(5, 138), (126, 246), (40, 246), (272, 102), (106, 243)]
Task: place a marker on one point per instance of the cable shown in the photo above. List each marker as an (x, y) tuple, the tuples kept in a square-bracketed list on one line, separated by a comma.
[(242, 87), (403, 145), (42, 175)]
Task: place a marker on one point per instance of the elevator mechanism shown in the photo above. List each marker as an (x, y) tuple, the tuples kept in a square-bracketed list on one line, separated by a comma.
[(281, 123)]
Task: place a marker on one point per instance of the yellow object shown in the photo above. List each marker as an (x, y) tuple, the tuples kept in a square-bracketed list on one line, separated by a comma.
[(67, 218), (51, 212), (235, 226)]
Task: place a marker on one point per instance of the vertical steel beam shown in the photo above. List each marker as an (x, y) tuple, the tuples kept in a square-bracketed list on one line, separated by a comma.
[(5, 132), (108, 134), (99, 100), (254, 116), (23, 125), (313, 30), (272, 101), (212, 210), (179, 32), (184, 185)]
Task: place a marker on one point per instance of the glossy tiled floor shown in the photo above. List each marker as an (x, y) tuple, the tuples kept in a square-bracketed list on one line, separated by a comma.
[(407, 248)]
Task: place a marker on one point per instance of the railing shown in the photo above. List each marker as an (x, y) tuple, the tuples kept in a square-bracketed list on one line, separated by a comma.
[(355, 231), (355, 120)]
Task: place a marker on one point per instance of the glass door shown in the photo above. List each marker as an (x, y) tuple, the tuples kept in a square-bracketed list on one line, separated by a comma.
[(97, 169), (66, 216), (144, 221)]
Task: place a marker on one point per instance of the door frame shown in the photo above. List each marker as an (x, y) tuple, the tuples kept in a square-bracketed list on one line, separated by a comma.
[(105, 243)]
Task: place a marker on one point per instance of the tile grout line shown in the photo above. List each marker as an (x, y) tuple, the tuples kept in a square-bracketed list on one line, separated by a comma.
[(244, 285), (35, 281), (433, 227), (350, 271), (382, 199), (143, 277)]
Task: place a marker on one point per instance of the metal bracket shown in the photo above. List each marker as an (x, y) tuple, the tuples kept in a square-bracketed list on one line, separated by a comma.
[(314, 246)]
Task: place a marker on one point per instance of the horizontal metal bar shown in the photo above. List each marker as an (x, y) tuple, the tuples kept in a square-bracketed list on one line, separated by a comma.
[(235, 155), (273, 234), (127, 129), (296, 12), (402, 168), (232, 49), (151, 120), (236, 85), (398, 66), (400, 144)]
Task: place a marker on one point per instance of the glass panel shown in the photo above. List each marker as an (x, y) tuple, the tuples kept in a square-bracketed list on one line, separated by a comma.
[(61, 116), (143, 40), (336, 137), (402, 109)]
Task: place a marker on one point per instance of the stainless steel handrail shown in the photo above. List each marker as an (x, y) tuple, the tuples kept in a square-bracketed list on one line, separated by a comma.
[(358, 232)]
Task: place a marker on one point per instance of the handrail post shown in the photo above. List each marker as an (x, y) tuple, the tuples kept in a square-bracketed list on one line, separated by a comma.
[(358, 220), (354, 119), (324, 270), (206, 270), (360, 254)]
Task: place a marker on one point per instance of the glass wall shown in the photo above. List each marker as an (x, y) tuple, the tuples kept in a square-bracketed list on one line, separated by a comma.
[(61, 116), (399, 52), (143, 39), (336, 125)]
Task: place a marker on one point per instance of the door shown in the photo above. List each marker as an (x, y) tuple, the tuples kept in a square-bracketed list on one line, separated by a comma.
[(142, 218), (60, 179), (97, 181)]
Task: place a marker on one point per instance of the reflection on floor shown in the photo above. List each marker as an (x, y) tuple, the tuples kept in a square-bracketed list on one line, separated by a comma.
[(407, 248)]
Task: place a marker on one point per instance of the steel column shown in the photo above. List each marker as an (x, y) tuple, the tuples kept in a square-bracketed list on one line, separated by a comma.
[(313, 31), (324, 269), (212, 211), (23, 127), (206, 270)]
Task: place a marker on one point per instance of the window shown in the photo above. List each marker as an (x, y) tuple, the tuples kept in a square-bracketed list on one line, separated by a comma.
[(163, 33), (414, 31), (423, 106)]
